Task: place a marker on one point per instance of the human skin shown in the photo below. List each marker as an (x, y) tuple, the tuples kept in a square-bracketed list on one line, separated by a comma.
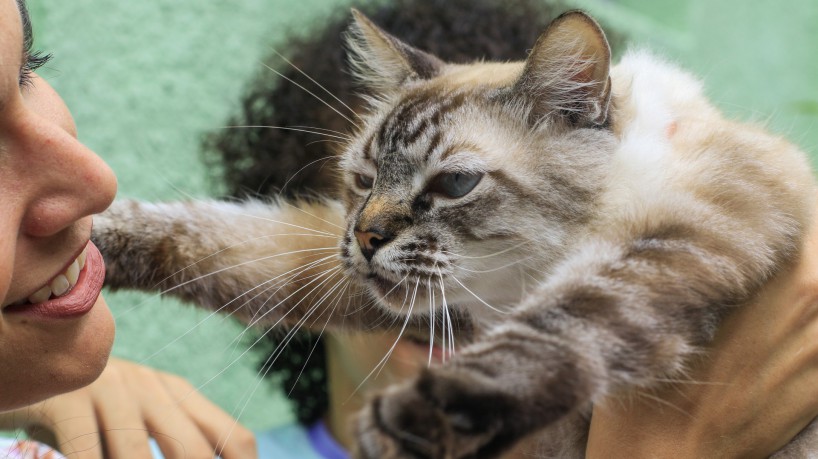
[(50, 185), (114, 417), (747, 396), (357, 367)]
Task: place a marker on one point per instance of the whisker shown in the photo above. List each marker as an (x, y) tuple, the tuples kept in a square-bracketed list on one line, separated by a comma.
[(215, 312), (230, 365), (478, 298), (281, 284), (506, 250), (447, 320), (318, 84), (499, 268), (267, 366), (286, 128), (244, 263), (385, 358), (332, 131), (431, 321), (283, 187), (314, 95), (315, 217)]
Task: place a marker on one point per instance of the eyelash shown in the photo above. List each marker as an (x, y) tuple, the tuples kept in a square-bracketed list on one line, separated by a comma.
[(34, 60)]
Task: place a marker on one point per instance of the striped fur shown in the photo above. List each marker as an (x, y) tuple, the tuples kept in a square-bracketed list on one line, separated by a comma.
[(618, 217)]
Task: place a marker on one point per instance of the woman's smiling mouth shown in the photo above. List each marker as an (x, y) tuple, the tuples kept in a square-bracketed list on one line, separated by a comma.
[(70, 293)]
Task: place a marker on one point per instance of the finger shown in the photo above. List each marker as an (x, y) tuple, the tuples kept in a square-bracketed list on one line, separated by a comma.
[(176, 433), (77, 435), (120, 418), (228, 438)]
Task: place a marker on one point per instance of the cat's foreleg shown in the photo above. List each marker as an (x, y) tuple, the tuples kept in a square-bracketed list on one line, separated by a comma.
[(262, 261), (622, 311)]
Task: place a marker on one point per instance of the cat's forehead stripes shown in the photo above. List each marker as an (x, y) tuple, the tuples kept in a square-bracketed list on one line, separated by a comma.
[(418, 117)]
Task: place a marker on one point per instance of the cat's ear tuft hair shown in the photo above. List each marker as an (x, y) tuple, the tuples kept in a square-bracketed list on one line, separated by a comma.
[(383, 62), (567, 71)]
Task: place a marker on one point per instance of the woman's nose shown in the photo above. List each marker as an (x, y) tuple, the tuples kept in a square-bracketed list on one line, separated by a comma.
[(66, 181)]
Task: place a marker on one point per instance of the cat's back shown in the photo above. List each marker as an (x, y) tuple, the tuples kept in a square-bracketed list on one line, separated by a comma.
[(675, 145)]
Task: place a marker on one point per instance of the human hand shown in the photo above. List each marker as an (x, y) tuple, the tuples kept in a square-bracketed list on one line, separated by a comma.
[(752, 392), (115, 416)]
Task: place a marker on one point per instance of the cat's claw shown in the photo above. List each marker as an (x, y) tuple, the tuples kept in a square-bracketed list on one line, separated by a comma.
[(443, 414)]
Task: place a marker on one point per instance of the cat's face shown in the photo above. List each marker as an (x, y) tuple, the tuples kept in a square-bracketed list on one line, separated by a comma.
[(458, 192)]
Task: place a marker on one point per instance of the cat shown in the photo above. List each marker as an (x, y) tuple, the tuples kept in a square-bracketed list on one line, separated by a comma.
[(586, 225)]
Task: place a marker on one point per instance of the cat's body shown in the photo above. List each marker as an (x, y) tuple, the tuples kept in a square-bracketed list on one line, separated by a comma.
[(613, 221)]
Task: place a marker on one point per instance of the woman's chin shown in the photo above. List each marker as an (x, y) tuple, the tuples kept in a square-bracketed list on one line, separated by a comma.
[(87, 355)]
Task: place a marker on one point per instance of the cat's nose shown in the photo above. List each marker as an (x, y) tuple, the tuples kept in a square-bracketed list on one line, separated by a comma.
[(370, 241)]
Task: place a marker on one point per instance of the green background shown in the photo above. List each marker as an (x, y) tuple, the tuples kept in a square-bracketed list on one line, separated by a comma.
[(145, 79)]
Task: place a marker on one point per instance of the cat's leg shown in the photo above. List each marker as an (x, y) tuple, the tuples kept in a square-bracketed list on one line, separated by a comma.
[(622, 311), (263, 261)]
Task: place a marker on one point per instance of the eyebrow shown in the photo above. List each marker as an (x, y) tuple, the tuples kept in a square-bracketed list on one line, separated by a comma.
[(28, 33)]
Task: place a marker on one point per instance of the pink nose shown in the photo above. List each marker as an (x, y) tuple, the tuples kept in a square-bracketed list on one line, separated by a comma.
[(370, 242)]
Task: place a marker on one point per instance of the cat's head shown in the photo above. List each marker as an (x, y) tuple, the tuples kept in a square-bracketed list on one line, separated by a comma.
[(464, 183)]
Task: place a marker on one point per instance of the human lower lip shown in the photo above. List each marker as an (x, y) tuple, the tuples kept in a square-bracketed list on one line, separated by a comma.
[(80, 297)]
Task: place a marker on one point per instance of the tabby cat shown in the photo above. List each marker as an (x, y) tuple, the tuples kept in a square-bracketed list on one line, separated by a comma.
[(592, 223)]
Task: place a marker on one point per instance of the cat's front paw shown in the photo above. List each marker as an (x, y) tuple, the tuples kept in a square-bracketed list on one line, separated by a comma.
[(445, 413)]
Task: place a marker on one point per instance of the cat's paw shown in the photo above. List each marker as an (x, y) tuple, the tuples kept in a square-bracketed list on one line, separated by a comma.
[(445, 413)]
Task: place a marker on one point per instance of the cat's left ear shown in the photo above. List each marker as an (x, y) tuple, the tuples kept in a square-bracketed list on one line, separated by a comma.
[(567, 71), (382, 61)]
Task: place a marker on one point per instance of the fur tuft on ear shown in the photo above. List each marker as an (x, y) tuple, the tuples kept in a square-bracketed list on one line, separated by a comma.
[(383, 62), (567, 71)]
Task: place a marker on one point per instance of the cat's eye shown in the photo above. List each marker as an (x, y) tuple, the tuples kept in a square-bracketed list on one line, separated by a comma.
[(454, 185), (364, 182)]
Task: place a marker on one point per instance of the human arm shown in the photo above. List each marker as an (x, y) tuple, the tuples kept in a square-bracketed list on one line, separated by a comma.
[(115, 416), (748, 395)]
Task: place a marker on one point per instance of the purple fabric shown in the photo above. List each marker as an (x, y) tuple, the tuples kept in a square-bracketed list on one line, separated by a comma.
[(323, 443)]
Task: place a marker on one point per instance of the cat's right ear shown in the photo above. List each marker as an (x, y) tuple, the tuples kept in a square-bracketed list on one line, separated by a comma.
[(383, 62), (567, 72)]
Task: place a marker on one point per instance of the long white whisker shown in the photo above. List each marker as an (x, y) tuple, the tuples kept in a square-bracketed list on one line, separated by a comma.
[(431, 320), (316, 217), (478, 298), (244, 263), (312, 94), (298, 271), (284, 128), (381, 363), (219, 373), (214, 312), (331, 131), (317, 84), (506, 250), (291, 333), (400, 333), (284, 223), (283, 187), (447, 320), (507, 265)]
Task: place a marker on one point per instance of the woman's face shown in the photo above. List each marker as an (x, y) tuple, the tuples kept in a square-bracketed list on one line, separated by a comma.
[(55, 329)]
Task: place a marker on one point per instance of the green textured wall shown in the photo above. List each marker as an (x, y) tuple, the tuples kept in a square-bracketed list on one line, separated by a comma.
[(145, 79)]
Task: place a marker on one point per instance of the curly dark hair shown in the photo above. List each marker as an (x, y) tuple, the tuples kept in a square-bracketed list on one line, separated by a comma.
[(294, 163)]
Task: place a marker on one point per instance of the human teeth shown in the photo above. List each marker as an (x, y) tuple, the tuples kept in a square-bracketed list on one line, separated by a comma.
[(59, 285), (40, 295), (73, 272)]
